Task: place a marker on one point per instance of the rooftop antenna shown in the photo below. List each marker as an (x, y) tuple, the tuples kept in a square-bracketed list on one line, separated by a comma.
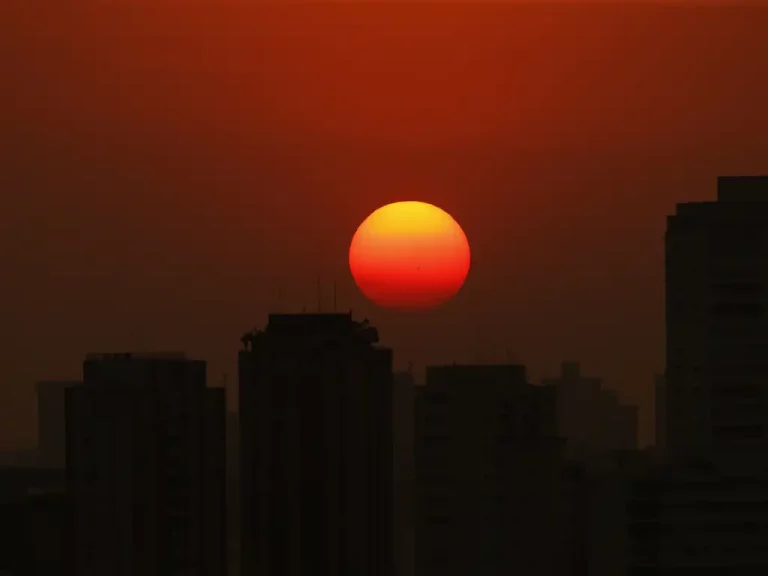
[(279, 298), (334, 295)]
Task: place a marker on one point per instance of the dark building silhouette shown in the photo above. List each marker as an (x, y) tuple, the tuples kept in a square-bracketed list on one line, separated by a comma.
[(233, 492), (675, 519), (717, 326), (34, 523), (20, 459), (146, 467), (660, 417), (710, 521), (713, 489), (404, 472), (316, 448), (590, 417), (621, 528), (575, 518), (488, 474), (51, 426)]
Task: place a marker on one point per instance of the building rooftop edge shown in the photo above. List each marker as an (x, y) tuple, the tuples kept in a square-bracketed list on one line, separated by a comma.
[(101, 356)]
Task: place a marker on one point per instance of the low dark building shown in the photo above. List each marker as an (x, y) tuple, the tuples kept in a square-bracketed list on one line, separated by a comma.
[(34, 523), (488, 474)]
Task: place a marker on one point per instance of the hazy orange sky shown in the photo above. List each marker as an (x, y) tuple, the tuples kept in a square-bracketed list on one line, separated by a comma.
[(166, 166)]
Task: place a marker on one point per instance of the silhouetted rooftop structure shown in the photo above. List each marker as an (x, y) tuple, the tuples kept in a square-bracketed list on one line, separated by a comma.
[(739, 198), (116, 356), (324, 326), (742, 189)]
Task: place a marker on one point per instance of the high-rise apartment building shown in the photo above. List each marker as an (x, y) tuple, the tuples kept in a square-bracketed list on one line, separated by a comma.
[(716, 389), (316, 448), (488, 470), (712, 403), (146, 467)]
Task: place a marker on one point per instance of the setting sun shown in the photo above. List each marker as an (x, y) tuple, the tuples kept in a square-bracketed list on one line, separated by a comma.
[(409, 255)]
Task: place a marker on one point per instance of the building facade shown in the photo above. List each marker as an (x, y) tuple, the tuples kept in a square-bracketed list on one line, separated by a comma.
[(316, 448), (717, 326), (660, 417), (488, 471), (404, 470), (34, 523), (146, 468), (713, 491)]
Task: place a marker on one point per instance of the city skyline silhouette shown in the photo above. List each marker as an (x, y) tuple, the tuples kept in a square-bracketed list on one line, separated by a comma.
[(341, 464), (196, 377), (559, 162)]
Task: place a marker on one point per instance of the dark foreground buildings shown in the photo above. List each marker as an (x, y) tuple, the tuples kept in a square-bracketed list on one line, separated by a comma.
[(403, 489), (705, 511), (146, 468), (316, 448), (488, 474), (590, 416), (34, 523), (716, 384)]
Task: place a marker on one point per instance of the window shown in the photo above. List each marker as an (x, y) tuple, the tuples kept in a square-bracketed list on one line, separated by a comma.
[(734, 241), (737, 432), (735, 391), (738, 411), (741, 310), (437, 397), (436, 439), (739, 289)]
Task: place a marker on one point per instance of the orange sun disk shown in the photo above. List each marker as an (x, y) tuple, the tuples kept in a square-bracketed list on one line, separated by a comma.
[(409, 255)]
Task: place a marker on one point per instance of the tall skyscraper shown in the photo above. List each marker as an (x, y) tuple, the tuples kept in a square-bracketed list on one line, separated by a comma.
[(712, 493), (316, 448), (51, 444), (488, 470), (717, 325), (146, 467)]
